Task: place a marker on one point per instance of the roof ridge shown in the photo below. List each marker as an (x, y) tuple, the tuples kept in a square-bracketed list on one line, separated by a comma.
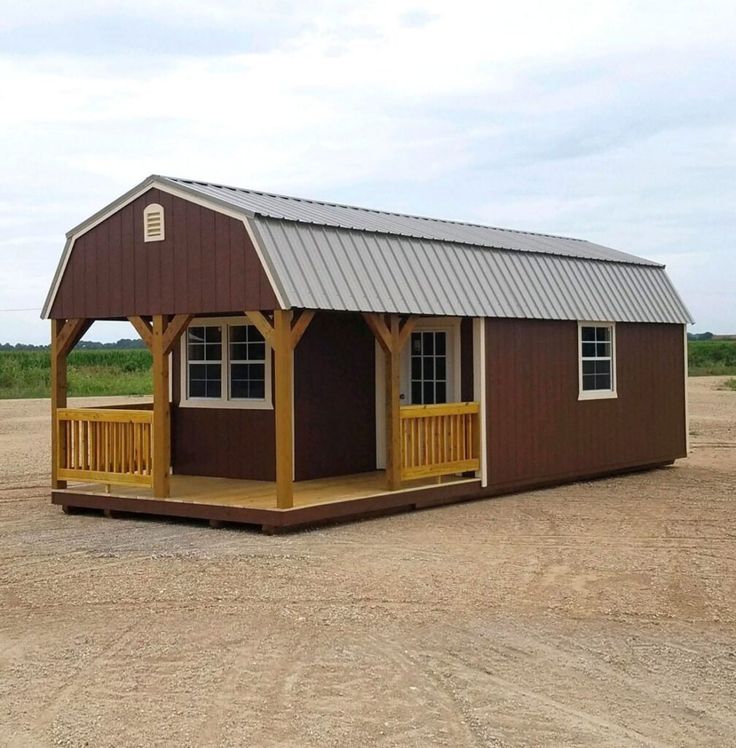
[(369, 210)]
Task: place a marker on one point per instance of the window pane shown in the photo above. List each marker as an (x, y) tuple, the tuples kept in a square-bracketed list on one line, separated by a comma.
[(588, 350), (588, 333), (239, 334), (195, 334), (428, 368), (196, 352), (238, 351), (440, 368), (602, 367), (416, 367), (213, 351), (440, 392), (428, 393), (257, 351), (602, 349), (196, 388), (440, 343), (416, 343), (602, 382), (603, 333), (588, 381), (213, 334), (214, 388), (427, 343), (257, 389), (416, 393), (588, 367)]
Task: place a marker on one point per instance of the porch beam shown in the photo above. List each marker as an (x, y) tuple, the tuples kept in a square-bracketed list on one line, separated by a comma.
[(161, 409), (261, 323), (174, 329), (300, 326), (378, 327), (407, 327), (143, 328), (70, 334), (284, 392)]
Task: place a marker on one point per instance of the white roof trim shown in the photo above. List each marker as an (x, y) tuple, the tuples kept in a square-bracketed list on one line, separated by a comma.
[(177, 190)]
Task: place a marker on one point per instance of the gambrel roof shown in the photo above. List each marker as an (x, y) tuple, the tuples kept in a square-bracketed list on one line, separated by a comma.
[(321, 255)]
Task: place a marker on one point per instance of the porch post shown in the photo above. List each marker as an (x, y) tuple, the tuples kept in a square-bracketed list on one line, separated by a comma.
[(284, 386), (58, 400), (65, 334), (392, 337), (161, 410), (161, 336), (283, 337), (392, 359)]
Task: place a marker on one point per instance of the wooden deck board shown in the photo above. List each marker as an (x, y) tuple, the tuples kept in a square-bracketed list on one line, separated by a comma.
[(261, 494)]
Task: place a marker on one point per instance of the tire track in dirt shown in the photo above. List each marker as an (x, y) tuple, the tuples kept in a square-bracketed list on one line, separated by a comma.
[(117, 643)]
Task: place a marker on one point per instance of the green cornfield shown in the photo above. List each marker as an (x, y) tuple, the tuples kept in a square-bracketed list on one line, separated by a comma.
[(92, 372), (711, 357)]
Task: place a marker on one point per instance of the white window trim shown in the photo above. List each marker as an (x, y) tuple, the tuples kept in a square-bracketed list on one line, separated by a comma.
[(265, 403), (598, 394)]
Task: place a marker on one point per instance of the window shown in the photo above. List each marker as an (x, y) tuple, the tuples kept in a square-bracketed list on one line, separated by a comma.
[(226, 363), (597, 360), (153, 223), (428, 367)]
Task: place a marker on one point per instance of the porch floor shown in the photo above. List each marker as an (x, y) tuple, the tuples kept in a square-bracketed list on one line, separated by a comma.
[(254, 502)]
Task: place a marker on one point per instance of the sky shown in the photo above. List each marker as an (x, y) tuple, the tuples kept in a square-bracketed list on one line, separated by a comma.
[(609, 121)]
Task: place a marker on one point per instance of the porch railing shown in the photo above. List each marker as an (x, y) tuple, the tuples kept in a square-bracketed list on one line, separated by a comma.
[(439, 440), (106, 445)]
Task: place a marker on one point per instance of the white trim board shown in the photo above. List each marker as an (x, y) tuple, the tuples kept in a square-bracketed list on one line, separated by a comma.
[(176, 190)]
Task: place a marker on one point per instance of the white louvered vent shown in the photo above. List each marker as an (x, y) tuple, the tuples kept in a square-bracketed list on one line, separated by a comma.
[(153, 223)]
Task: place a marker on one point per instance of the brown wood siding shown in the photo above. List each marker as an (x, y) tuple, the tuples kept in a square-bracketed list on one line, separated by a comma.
[(220, 442), (334, 398), (206, 265), (539, 431)]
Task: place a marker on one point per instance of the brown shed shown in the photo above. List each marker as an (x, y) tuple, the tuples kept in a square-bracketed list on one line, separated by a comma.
[(314, 361)]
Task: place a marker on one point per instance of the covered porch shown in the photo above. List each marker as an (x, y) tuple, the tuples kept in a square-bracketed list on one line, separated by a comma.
[(120, 459)]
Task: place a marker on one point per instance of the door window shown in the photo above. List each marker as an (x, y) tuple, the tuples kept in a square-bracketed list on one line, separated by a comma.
[(428, 367)]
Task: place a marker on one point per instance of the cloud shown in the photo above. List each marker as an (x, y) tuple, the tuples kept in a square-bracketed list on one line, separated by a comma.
[(610, 121)]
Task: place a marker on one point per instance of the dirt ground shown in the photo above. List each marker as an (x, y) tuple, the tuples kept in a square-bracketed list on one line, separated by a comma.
[(602, 613)]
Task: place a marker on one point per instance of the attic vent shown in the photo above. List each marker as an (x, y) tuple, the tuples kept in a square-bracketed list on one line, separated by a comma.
[(153, 223)]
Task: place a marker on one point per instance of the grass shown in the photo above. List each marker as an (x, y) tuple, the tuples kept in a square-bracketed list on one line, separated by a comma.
[(711, 357), (730, 384), (95, 372)]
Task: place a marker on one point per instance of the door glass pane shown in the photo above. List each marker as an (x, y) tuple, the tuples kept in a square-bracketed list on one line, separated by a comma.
[(428, 367)]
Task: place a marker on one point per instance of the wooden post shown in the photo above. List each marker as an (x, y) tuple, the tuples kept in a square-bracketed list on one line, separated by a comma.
[(392, 338), (58, 400), (283, 337), (161, 336), (393, 422), (284, 391), (65, 334), (161, 410)]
